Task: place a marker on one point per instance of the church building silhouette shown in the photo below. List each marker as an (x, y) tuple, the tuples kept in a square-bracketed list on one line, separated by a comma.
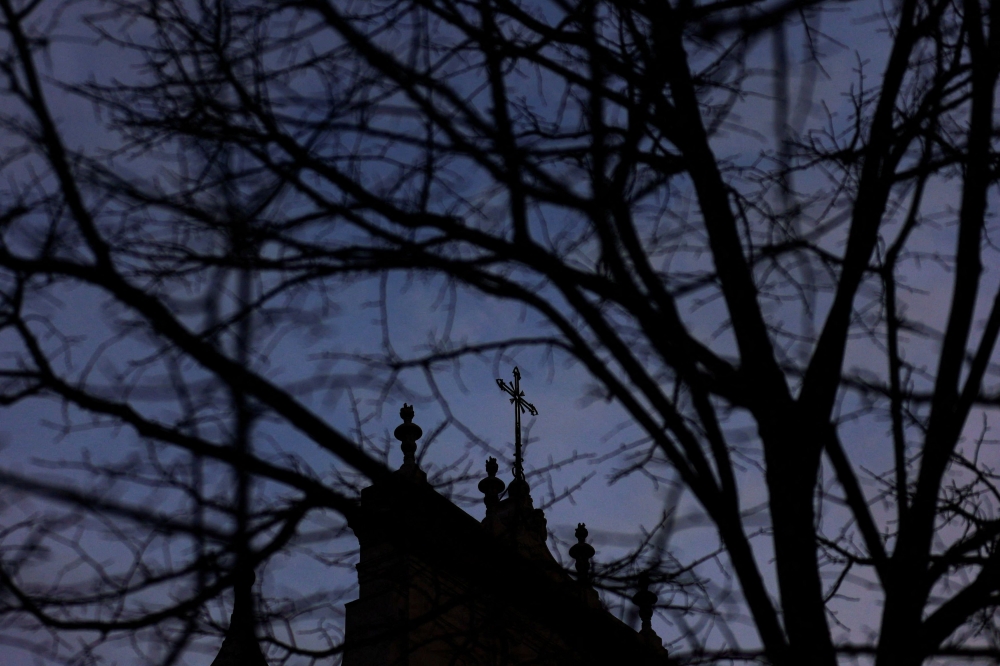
[(441, 588)]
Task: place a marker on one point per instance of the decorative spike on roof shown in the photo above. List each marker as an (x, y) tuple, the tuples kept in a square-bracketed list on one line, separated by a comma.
[(645, 599), (491, 486), (408, 433), (513, 515), (519, 486), (582, 551)]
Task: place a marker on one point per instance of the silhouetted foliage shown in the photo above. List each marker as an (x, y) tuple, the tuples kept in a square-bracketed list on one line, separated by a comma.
[(771, 254)]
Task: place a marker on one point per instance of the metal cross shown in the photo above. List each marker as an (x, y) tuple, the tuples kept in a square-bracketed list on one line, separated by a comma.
[(520, 406)]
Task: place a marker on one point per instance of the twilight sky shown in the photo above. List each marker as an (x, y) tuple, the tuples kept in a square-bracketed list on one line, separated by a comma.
[(570, 420)]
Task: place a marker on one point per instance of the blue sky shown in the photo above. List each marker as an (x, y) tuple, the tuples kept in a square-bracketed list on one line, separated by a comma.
[(569, 420)]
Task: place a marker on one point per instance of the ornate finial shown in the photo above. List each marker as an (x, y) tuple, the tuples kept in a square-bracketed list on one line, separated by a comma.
[(408, 433), (491, 486), (520, 406), (645, 600), (582, 552)]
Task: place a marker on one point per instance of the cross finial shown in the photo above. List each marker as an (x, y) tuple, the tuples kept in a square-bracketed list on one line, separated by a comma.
[(520, 406)]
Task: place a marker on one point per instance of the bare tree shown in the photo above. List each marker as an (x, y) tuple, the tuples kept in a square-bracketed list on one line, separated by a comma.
[(580, 159)]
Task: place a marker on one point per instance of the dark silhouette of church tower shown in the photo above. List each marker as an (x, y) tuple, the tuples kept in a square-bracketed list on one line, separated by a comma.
[(440, 588)]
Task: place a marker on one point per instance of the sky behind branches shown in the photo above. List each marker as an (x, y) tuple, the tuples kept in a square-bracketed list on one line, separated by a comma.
[(570, 420)]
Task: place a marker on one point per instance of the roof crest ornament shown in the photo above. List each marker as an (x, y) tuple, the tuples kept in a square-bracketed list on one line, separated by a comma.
[(408, 433), (520, 406), (491, 486), (582, 551), (645, 599)]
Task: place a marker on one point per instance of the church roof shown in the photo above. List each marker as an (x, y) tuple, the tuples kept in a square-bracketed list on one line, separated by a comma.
[(413, 538)]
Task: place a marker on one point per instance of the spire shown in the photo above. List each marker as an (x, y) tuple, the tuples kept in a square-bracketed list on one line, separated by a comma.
[(408, 433), (518, 487), (240, 647), (582, 552), (515, 516)]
